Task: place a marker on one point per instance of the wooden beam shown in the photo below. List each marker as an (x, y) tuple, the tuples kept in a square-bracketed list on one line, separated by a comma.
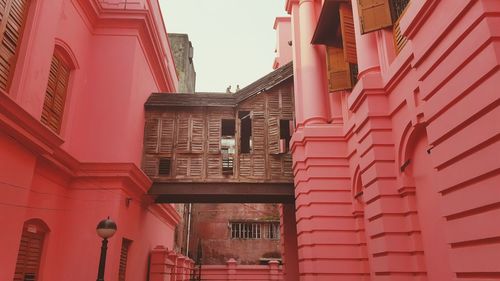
[(222, 192)]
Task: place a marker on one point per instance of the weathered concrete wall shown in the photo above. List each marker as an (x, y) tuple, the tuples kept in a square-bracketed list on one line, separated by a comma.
[(183, 52), (210, 225)]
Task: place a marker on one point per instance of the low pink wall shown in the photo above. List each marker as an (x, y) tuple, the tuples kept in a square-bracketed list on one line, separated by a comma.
[(233, 271)]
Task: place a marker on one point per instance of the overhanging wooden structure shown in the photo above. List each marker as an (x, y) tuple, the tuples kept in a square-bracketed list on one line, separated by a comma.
[(222, 192)]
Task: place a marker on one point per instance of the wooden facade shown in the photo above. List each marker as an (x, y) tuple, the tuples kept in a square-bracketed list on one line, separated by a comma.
[(211, 137)]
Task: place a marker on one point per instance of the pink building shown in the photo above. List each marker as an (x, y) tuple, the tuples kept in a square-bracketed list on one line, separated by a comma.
[(283, 50), (396, 148), (74, 76)]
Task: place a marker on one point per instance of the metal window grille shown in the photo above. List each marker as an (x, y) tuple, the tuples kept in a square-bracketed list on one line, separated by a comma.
[(255, 230)]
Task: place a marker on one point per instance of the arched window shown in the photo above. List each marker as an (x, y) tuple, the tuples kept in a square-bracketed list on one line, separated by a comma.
[(13, 20), (30, 250), (57, 88)]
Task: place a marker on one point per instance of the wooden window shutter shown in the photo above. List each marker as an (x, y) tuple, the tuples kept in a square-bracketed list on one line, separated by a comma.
[(13, 17), (399, 39), (55, 94), (167, 135), (273, 136), (28, 258), (214, 135), (374, 15), (339, 71), (123, 259), (183, 130), (348, 33), (197, 135), (151, 131)]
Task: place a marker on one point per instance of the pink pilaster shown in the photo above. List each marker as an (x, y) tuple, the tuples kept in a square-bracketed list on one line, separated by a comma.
[(311, 74), (326, 229), (172, 256), (366, 46)]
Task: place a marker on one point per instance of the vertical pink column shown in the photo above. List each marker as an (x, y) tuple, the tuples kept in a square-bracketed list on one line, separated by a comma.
[(366, 46), (173, 258), (274, 270), (292, 8), (311, 75), (231, 269), (180, 267), (161, 266), (289, 243)]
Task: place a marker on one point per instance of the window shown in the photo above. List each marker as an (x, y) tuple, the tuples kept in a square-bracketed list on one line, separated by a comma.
[(378, 14), (164, 167), (123, 259), (246, 131), (55, 95), (30, 251), (255, 230), (227, 144), (14, 14), (285, 135)]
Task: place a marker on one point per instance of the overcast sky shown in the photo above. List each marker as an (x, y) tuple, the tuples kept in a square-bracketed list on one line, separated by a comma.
[(233, 40)]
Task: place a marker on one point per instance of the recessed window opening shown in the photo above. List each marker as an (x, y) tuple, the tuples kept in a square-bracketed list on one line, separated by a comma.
[(228, 127), (285, 135), (246, 131), (255, 230), (164, 167)]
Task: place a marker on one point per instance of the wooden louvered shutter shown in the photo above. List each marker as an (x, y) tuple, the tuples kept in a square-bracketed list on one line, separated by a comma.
[(339, 71), (150, 165), (399, 39), (273, 136), (55, 95), (151, 132), (214, 135), (374, 15), (123, 259), (167, 135), (13, 17), (197, 135), (28, 258), (182, 143), (348, 33)]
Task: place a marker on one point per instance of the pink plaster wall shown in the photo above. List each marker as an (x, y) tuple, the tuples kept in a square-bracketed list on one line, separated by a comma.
[(90, 170), (283, 27), (433, 219)]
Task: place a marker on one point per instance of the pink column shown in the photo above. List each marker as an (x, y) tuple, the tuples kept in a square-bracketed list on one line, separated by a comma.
[(366, 46), (274, 270), (161, 266), (231, 269), (311, 74), (293, 9), (172, 256), (180, 267)]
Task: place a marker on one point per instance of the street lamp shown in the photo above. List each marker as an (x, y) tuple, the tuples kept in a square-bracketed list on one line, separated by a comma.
[(105, 229)]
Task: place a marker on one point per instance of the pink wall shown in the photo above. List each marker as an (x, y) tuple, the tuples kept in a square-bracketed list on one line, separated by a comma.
[(89, 171), (234, 271), (431, 220), (283, 27)]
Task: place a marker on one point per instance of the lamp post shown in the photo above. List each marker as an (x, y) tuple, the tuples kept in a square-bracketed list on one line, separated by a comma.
[(105, 229)]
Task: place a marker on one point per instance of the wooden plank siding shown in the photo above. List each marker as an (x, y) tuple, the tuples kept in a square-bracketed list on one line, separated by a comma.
[(190, 137)]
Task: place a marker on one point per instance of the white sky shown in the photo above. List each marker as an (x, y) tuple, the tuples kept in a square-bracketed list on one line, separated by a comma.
[(233, 40)]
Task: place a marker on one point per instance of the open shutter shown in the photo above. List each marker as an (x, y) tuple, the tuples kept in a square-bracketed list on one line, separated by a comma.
[(339, 71), (150, 165), (258, 132), (348, 33), (123, 259), (273, 136), (374, 15), (197, 135), (13, 17), (167, 134), (151, 130), (55, 94), (214, 135)]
